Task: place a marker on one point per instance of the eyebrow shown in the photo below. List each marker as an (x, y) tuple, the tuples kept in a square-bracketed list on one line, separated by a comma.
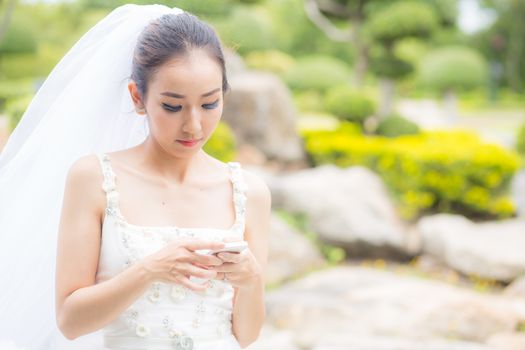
[(172, 94)]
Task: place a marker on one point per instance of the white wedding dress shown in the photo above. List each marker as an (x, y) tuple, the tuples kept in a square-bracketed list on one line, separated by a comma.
[(167, 316)]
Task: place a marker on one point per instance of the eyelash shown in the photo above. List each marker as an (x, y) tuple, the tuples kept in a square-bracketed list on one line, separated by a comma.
[(174, 109)]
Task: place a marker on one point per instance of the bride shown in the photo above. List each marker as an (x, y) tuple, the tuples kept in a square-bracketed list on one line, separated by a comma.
[(108, 203)]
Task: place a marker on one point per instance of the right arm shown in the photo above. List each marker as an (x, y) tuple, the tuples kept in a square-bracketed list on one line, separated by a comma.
[(81, 305)]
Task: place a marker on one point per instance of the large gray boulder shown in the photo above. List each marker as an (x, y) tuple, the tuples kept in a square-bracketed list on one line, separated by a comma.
[(347, 207), (492, 250), (260, 110), (290, 253), (363, 308)]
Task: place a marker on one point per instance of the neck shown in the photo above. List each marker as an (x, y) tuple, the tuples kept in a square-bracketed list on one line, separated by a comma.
[(173, 169)]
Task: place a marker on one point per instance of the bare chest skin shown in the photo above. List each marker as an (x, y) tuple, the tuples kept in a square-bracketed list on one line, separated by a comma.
[(145, 200)]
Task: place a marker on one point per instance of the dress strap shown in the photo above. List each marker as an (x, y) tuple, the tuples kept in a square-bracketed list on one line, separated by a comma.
[(109, 183), (239, 194)]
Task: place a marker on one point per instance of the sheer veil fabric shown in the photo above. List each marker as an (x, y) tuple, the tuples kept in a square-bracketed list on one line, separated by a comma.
[(83, 107)]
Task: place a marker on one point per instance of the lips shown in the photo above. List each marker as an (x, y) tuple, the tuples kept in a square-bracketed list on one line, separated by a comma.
[(189, 143)]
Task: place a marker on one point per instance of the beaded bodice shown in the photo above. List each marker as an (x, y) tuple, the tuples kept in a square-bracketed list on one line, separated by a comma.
[(167, 315)]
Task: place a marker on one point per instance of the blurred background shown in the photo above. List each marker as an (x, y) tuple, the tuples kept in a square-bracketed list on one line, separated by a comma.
[(392, 136)]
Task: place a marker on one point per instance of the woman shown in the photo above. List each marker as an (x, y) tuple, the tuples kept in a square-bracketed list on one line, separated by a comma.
[(134, 216)]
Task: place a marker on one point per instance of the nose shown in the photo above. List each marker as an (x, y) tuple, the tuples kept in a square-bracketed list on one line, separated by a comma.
[(192, 124)]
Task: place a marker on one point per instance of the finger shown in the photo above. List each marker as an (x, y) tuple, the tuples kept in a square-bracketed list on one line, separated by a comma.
[(226, 267), (198, 244), (189, 269), (192, 285), (206, 260), (230, 257)]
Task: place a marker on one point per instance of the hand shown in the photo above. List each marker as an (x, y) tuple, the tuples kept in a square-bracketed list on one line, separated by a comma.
[(177, 261), (240, 269)]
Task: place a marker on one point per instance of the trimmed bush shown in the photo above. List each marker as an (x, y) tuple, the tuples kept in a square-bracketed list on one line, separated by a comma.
[(272, 60), (438, 171), (317, 73), (349, 104), (222, 144), (403, 19), (453, 68), (396, 125)]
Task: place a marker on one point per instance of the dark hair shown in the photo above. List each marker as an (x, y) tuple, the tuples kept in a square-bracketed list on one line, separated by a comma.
[(169, 36)]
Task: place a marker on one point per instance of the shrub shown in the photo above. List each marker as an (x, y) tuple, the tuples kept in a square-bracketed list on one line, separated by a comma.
[(438, 171), (15, 109), (247, 29), (396, 126), (317, 73), (453, 68), (222, 144), (271, 60), (309, 101), (349, 104), (520, 140), (403, 19)]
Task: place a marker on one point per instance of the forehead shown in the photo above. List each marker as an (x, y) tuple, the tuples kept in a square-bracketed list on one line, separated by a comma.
[(194, 73)]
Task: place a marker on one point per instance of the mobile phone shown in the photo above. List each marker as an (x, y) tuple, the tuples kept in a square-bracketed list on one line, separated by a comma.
[(229, 247)]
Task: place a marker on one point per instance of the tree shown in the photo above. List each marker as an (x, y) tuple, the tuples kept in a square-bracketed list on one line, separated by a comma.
[(449, 69), (354, 13), (508, 31), (6, 18)]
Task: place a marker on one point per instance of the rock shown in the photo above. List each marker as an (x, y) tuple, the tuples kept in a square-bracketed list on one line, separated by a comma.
[(348, 207), (363, 303), (234, 63), (364, 342), (290, 253), (507, 341), (271, 338), (249, 155), (260, 111), (491, 250)]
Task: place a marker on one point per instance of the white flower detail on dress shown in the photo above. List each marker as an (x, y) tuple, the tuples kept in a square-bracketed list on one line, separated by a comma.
[(154, 295), (142, 330), (178, 293)]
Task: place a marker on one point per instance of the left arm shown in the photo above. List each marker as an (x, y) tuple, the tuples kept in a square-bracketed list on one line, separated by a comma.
[(246, 270)]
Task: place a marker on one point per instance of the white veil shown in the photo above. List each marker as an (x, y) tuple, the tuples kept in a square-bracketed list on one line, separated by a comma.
[(83, 107)]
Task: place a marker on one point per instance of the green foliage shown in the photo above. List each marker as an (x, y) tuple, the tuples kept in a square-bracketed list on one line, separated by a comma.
[(403, 19), (396, 125), (247, 29), (19, 38), (317, 73), (300, 222), (309, 101), (222, 144), (349, 104), (272, 60), (520, 140), (15, 109), (392, 67), (13, 89), (438, 171), (453, 67)]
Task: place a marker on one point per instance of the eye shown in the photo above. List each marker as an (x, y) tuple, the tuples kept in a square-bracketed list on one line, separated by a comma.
[(211, 105), (170, 108)]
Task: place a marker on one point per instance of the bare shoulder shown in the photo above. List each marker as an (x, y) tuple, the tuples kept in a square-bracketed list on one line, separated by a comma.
[(85, 168), (84, 180), (257, 189)]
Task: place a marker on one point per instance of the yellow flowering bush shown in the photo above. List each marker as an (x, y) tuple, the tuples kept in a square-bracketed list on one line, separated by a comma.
[(435, 171), (222, 144)]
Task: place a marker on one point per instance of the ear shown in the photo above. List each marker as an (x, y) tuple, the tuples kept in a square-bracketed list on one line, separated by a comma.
[(135, 96)]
